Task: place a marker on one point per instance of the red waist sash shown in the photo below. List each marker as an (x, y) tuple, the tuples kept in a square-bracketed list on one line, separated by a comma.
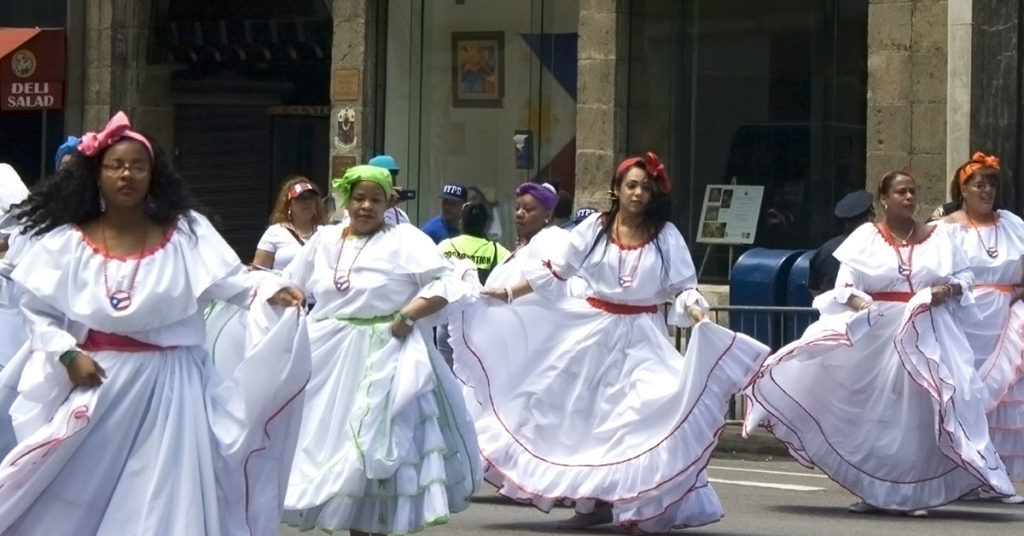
[(891, 296), (621, 308), (98, 341)]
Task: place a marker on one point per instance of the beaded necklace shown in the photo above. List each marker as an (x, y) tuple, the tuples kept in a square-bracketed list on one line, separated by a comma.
[(993, 250), (119, 299), (342, 281)]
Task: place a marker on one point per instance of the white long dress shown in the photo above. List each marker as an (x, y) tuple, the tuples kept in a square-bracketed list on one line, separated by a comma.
[(885, 401), (163, 446), (548, 243), (584, 404), (13, 338), (386, 444), (12, 324), (996, 332), (13, 331)]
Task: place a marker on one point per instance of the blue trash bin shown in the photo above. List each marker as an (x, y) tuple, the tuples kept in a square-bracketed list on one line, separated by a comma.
[(797, 295), (760, 277)]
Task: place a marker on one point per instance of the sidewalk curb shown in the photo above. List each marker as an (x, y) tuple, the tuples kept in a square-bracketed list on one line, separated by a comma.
[(761, 443)]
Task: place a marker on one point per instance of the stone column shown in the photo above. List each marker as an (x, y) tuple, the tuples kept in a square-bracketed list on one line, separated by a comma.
[(601, 97), (118, 76), (958, 85), (906, 123), (353, 100)]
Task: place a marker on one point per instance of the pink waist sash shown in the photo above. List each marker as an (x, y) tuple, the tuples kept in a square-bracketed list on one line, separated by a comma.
[(98, 341)]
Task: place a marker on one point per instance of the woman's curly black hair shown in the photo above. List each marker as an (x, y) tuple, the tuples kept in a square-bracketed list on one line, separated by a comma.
[(71, 194)]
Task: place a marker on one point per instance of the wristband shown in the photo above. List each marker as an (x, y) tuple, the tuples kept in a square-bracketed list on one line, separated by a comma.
[(509, 297), (405, 318), (66, 357)]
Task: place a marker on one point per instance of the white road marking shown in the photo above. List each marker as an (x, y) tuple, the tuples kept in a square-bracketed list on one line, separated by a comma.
[(788, 487), (764, 471)]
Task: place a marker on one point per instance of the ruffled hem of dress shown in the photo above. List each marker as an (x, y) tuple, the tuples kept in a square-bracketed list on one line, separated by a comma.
[(636, 486), (1006, 430), (1005, 367), (423, 476), (817, 452)]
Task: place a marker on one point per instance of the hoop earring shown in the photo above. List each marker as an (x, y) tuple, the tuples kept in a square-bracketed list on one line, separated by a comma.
[(289, 214), (103, 204)]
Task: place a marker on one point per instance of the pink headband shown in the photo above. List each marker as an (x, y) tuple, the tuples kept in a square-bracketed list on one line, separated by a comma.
[(117, 128)]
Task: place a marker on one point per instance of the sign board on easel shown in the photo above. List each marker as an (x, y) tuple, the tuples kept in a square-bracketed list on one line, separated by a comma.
[(729, 217), (729, 214)]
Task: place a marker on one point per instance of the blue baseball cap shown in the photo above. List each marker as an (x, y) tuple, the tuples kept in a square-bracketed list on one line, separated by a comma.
[(454, 192), (582, 214), (384, 161)]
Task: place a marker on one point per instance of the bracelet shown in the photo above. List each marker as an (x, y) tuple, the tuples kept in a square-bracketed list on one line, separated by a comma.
[(66, 357), (405, 318), (509, 297)]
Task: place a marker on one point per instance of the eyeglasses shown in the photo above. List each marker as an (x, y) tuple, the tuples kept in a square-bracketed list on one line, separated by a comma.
[(983, 186), (138, 170)]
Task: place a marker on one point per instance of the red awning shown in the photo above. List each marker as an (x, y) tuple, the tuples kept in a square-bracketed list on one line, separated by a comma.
[(31, 69), (11, 39)]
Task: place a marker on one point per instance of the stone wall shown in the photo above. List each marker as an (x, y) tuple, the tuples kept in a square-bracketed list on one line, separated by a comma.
[(353, 61), (906, 122), (119, 76), (601, 97)]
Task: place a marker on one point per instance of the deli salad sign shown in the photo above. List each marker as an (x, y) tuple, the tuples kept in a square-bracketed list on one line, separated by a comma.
[(33, 95), (32, 71)]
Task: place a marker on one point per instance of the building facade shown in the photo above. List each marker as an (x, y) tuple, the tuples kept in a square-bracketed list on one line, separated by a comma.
[(809, 99)]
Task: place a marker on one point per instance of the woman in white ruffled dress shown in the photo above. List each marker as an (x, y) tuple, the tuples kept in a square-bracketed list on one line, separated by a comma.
[(993, 241), (13, 332), (536, 238), (12, 327), (587, 401), (877, 393), (123, 425), (385, 445)]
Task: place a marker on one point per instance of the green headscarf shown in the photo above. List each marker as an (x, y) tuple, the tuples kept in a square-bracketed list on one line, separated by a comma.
[(343, 186)]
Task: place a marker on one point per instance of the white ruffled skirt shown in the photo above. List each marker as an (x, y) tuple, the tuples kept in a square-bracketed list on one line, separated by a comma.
[(885, 403), (163, 447), (999, 335), (577, 404), (386, 445)]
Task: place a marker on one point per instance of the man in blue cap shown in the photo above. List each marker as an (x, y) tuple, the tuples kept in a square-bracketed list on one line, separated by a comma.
[(393, 215), (853, 210), (446, 224)]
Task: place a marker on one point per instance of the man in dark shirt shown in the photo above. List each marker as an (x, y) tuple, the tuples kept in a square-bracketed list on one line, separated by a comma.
[(853, 210)]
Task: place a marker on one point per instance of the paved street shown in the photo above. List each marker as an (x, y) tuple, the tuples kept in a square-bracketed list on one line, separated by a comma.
[(764, 498)]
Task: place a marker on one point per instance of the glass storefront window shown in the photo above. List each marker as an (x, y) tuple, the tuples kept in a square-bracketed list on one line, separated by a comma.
[(481, 93), (766, 93)]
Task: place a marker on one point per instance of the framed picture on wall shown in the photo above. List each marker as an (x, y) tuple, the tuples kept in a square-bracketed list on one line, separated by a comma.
[(478, 69)]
